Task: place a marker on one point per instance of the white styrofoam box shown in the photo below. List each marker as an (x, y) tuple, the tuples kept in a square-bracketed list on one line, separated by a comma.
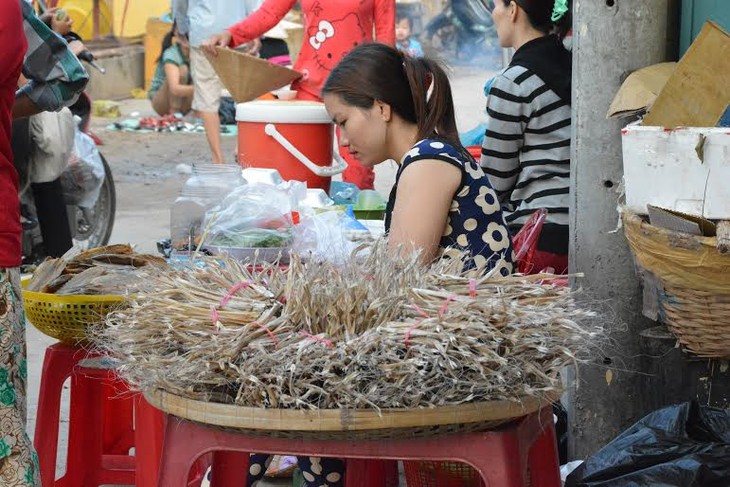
[(662, 167)]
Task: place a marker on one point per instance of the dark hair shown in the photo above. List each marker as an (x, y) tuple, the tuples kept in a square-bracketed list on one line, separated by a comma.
[(167, 41), (539, 12), (375, 71), (407, 17)]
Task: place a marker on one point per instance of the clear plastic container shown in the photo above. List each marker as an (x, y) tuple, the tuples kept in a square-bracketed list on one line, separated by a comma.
[(207, 187)]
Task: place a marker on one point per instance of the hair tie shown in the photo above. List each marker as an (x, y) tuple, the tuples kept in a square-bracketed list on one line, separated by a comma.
[(559, 10)]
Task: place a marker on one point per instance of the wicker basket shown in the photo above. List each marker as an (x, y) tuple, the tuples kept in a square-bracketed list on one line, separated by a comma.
[(66, 318), (691, 280)]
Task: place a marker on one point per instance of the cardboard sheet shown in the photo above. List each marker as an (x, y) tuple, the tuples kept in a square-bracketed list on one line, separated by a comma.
[(640, 90), (698, 92), (248, 77)]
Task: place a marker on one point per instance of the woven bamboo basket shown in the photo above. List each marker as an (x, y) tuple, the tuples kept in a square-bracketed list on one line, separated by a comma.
[(692, 284), (338, 424)]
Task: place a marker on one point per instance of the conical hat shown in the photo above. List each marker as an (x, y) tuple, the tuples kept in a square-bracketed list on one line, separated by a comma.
[(248, 77)]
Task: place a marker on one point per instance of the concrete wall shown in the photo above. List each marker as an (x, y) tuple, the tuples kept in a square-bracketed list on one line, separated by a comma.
[(124, 72)]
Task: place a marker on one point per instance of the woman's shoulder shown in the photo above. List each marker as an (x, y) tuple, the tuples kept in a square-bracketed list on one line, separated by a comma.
[(434, 149), (173, 55)]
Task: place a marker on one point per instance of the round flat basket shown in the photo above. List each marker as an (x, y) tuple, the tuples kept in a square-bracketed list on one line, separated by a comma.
[(66, 318), (348, 423), (691, 280)]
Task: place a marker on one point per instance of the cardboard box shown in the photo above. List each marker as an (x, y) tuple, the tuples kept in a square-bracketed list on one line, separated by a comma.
[(683, 169), (640, 90)]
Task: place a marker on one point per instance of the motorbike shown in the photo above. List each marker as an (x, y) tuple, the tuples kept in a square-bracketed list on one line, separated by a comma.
[(89, 226), (463, 30)]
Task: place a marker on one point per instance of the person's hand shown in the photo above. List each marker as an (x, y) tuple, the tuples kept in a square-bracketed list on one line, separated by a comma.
[(252, 48), (216, 40), (77, 47), (47, 16)]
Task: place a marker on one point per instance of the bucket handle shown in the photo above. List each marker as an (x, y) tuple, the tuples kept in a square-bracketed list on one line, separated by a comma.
[(324, 172)]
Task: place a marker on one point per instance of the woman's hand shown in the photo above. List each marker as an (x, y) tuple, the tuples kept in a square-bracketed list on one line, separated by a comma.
[(77, 47), (222, 39)]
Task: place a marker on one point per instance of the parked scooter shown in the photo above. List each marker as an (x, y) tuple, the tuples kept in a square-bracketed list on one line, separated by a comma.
[(89, 226), (463, 30)]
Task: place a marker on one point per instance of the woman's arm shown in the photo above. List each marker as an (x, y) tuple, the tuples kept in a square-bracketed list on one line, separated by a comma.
[(265, 18), (385, 21), (426, 190), (172, 74)]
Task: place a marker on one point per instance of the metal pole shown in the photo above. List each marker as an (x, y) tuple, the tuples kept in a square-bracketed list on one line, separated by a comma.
[(96, 17), (611, 39)]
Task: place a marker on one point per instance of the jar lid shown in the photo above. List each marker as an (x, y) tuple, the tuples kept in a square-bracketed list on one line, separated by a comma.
[(281, 111)]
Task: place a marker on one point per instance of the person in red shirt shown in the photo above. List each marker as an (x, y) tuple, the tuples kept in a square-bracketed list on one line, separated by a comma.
[(54, 79), (331, 30)]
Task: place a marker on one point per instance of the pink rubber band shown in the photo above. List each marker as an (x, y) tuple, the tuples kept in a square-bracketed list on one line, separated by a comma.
[(410, 330), (473, 288), (318, 339), (445, 306), (214, 316), (419, 311), (231, 292), (266, 329)]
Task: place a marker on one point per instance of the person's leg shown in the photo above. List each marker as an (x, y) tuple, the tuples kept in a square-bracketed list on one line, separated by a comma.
[(52, 217), (258, 464), (206, 100), (18, 460), (161, 100), (182, 104)]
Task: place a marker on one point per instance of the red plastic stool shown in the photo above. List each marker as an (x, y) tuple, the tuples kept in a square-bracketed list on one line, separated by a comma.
[(514, 455), (106, 421)]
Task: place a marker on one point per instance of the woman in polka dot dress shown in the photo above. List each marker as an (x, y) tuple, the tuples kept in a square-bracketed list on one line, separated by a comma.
[(391, 106)]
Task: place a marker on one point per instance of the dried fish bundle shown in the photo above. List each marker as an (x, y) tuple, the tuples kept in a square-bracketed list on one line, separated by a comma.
[(378, 332)]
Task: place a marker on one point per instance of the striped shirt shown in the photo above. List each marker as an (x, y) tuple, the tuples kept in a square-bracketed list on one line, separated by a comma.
[(526, 149)]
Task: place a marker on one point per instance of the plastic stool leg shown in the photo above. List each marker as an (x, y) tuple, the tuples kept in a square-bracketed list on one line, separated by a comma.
[(118, 416), (149, 434), (229, 469), (366, 472), (58, 363), (543, 459), (181, 449)]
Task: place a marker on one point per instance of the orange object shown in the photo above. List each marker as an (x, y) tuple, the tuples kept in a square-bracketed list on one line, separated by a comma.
[(278, 134)]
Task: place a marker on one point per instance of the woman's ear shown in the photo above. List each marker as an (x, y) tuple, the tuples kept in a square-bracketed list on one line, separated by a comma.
[(383, 110)]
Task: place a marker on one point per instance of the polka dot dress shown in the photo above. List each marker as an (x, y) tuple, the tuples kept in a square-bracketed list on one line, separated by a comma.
[(317, 472), (475, 222)]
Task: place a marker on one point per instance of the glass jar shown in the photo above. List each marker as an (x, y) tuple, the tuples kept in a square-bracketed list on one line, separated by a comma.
[(205, 189)]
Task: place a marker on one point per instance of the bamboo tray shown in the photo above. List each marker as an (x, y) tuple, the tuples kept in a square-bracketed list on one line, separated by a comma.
[(349, 423)]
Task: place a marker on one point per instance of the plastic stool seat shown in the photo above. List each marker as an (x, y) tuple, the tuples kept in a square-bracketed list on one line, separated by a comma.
[(521, 453)]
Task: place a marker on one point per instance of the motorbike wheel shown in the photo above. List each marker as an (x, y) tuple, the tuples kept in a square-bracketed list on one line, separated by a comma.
[(93, 226)]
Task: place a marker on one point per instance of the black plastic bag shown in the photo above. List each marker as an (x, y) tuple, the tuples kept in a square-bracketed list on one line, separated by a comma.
[(685, 445)]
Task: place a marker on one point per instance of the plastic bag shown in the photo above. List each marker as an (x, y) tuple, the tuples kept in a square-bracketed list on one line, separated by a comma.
[(329, 236), (251, 216), (81, 181), (685, 445), (53, 141)]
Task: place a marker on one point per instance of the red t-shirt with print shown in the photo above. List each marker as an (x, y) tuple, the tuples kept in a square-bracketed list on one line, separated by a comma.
[(331, 30), (12, 40)]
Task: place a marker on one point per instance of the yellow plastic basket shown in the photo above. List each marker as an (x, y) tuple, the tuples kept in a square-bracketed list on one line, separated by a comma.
[(66, 318)]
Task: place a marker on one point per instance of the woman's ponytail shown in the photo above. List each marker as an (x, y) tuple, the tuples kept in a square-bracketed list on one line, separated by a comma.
[(432, 99)]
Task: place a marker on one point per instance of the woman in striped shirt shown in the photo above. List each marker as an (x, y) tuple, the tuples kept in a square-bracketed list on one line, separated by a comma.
[(526, 149)]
